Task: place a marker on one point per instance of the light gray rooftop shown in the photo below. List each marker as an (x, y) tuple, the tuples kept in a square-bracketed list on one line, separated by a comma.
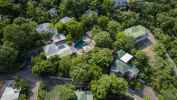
[(60, 49), (45, 28)]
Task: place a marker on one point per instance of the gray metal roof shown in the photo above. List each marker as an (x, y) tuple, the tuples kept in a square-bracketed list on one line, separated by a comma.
[(60, 49), (45, 28)]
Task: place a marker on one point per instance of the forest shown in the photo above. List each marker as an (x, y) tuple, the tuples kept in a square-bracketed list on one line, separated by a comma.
[(106, 22)]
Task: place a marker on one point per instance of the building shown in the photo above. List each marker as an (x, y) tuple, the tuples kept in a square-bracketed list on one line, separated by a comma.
[(139, 33), (65, 19), (84, 95), (57, 48), (120, 3), (9, 92), (45, 28), (121, 66), (52, 12)]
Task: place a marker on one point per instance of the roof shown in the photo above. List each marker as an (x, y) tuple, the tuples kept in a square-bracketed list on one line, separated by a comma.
[(123, 56), (45, 28), (120, 53), (120, 2), (126, 58), (60, 49), (65, 19), (84, 95), (52, 12), (10, 94), (136, 31), (58, 37), (120, 66)]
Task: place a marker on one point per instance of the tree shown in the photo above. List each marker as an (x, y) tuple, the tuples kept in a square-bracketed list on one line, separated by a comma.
[(103, 39), (124, 42), (74, 28), (108, 85), (84, 72), (107, 7), (24, 36), (114, 27), (64, 66), (62, 92), (41, 93), (88, 19), (101, 57), (43, 68), (23, 85), (103, 21), (8, 59)]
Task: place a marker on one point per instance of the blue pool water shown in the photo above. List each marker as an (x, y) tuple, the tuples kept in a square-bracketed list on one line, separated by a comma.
[(79, 44)]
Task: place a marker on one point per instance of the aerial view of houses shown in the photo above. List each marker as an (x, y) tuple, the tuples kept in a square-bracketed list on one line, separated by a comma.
[(88, 50)]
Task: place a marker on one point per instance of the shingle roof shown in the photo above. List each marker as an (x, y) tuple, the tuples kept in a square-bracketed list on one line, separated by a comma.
[(84, 95), (136, 31)]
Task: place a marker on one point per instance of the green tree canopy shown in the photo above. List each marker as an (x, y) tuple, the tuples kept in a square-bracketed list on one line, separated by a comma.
[(101, 57), (8, 59), (62, 92), (108, 85), (84, 72), (103, 39)]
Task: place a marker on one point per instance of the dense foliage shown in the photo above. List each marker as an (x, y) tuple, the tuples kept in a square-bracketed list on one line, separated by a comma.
[(18, 37)]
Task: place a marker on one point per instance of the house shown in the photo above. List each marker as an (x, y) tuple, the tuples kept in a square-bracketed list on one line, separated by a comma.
[(10, 93), (57, 48), (52, 12), (45, 28), (65, 19), (120, 3), (84, 95), (139, 33), (121, 66)]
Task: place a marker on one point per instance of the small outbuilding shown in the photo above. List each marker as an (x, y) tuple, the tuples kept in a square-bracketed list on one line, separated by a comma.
[(121, 65)]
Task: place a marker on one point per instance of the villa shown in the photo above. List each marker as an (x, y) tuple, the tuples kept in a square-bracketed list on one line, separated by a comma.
[(57, 47), (139, 33), (84, 95), (121, 66)]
